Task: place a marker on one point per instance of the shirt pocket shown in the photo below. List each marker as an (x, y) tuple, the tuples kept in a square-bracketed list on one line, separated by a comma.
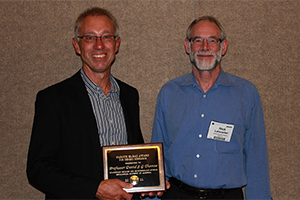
[(231, 147)]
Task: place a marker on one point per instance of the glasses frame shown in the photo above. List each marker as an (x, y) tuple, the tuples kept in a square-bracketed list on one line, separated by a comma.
[(207, 39), (95, 37)]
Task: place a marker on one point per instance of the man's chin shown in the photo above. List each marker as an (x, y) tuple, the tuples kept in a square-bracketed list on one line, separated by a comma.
[(205, 68)]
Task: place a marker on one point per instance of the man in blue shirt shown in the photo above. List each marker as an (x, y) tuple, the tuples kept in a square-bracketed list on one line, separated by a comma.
[(211, 124)]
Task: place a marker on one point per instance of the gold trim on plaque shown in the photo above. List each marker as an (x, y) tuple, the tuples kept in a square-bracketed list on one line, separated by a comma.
[(132, 160)]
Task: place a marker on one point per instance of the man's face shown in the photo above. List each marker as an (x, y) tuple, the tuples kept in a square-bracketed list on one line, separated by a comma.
[(206, 55), (97, 56)]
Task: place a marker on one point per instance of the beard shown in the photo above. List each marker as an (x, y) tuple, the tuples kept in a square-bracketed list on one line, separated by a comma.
[(205, 65)]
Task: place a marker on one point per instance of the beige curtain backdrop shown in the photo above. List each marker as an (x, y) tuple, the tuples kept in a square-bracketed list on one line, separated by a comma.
[(36, 52)]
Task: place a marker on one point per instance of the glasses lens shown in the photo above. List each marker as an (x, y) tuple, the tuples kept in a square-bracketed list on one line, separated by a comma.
[(89, 38), (199, 41), (93, 38), (107, 38)]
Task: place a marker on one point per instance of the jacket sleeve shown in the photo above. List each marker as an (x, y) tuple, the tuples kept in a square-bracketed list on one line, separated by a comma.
[(43, 169)]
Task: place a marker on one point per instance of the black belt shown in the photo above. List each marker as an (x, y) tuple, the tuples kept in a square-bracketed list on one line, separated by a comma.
[(199, 192)]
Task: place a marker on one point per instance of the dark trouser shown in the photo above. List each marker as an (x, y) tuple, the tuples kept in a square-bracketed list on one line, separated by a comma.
[(179, 190)]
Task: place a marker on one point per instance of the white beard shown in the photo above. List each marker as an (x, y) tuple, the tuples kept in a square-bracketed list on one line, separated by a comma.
[(205, 65)]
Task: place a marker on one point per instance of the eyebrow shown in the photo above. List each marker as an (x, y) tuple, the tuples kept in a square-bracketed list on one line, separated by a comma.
[(93, 32), (205, 37)]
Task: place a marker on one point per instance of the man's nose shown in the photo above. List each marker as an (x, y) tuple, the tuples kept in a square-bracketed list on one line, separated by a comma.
[(205, 45), (98, 43)]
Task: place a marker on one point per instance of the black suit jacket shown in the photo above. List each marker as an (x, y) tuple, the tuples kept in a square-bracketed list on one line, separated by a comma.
[(64, 157)]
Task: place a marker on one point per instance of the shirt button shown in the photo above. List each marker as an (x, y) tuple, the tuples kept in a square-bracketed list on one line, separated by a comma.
[(200, 135), (198, 156), (195, 176), (204, 95), (202, 115)]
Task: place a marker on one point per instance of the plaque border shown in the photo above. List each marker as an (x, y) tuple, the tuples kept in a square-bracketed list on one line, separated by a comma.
[(161, 167)]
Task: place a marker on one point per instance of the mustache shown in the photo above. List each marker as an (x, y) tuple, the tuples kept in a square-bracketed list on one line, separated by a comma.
[(201, 53)]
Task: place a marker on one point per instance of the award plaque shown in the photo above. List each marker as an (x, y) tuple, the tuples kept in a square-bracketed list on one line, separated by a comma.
[(140, 164)]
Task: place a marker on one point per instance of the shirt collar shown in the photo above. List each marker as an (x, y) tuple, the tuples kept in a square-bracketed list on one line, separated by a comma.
[(91, 86), (222, 79)]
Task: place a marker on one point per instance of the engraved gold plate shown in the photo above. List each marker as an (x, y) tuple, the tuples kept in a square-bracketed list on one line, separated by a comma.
[(139, 164)]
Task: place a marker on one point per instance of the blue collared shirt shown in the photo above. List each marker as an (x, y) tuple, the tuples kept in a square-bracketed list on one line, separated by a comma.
[(108, 112), (182, 120)]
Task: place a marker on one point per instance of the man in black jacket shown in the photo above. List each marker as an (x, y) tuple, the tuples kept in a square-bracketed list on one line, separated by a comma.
[(77, 116)]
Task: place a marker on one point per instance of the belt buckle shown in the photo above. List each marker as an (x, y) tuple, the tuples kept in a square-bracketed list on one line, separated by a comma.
[(201, 194)]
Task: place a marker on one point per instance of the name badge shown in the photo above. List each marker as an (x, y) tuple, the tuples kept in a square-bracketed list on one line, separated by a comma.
[(220, 131)]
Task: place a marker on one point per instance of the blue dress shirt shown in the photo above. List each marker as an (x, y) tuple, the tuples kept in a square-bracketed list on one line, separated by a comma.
[(182, 119)]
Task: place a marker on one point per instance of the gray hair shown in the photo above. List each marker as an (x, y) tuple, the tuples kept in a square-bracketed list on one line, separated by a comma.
[(95, 11), (206, 18)]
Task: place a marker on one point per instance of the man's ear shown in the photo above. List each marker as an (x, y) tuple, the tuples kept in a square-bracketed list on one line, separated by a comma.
[(118, 43), (225, 46), (76, 46), (186, 46)]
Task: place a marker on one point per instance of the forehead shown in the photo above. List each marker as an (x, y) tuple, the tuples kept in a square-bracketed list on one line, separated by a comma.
[(97, 24), (205, 29)]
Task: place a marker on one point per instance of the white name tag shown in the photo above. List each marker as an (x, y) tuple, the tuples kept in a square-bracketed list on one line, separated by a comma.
[(220, 131)]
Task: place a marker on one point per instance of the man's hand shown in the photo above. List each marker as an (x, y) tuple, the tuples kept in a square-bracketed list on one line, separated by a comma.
[(159, 194), (113, 189)]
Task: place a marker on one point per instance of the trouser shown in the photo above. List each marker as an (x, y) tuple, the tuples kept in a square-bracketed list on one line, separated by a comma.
[(180, 190)]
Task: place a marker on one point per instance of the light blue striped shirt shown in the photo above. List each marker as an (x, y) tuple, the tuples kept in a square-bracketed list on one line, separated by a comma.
[(108, 112)]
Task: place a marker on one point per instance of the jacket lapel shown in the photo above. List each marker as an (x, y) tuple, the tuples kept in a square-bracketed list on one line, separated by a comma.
[(80, 96)]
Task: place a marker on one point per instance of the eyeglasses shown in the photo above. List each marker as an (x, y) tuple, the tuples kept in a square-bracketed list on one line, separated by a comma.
[(210, 41), (93, 38)]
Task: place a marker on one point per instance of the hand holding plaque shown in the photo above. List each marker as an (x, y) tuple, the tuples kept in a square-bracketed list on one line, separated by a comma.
[(141, 165)]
